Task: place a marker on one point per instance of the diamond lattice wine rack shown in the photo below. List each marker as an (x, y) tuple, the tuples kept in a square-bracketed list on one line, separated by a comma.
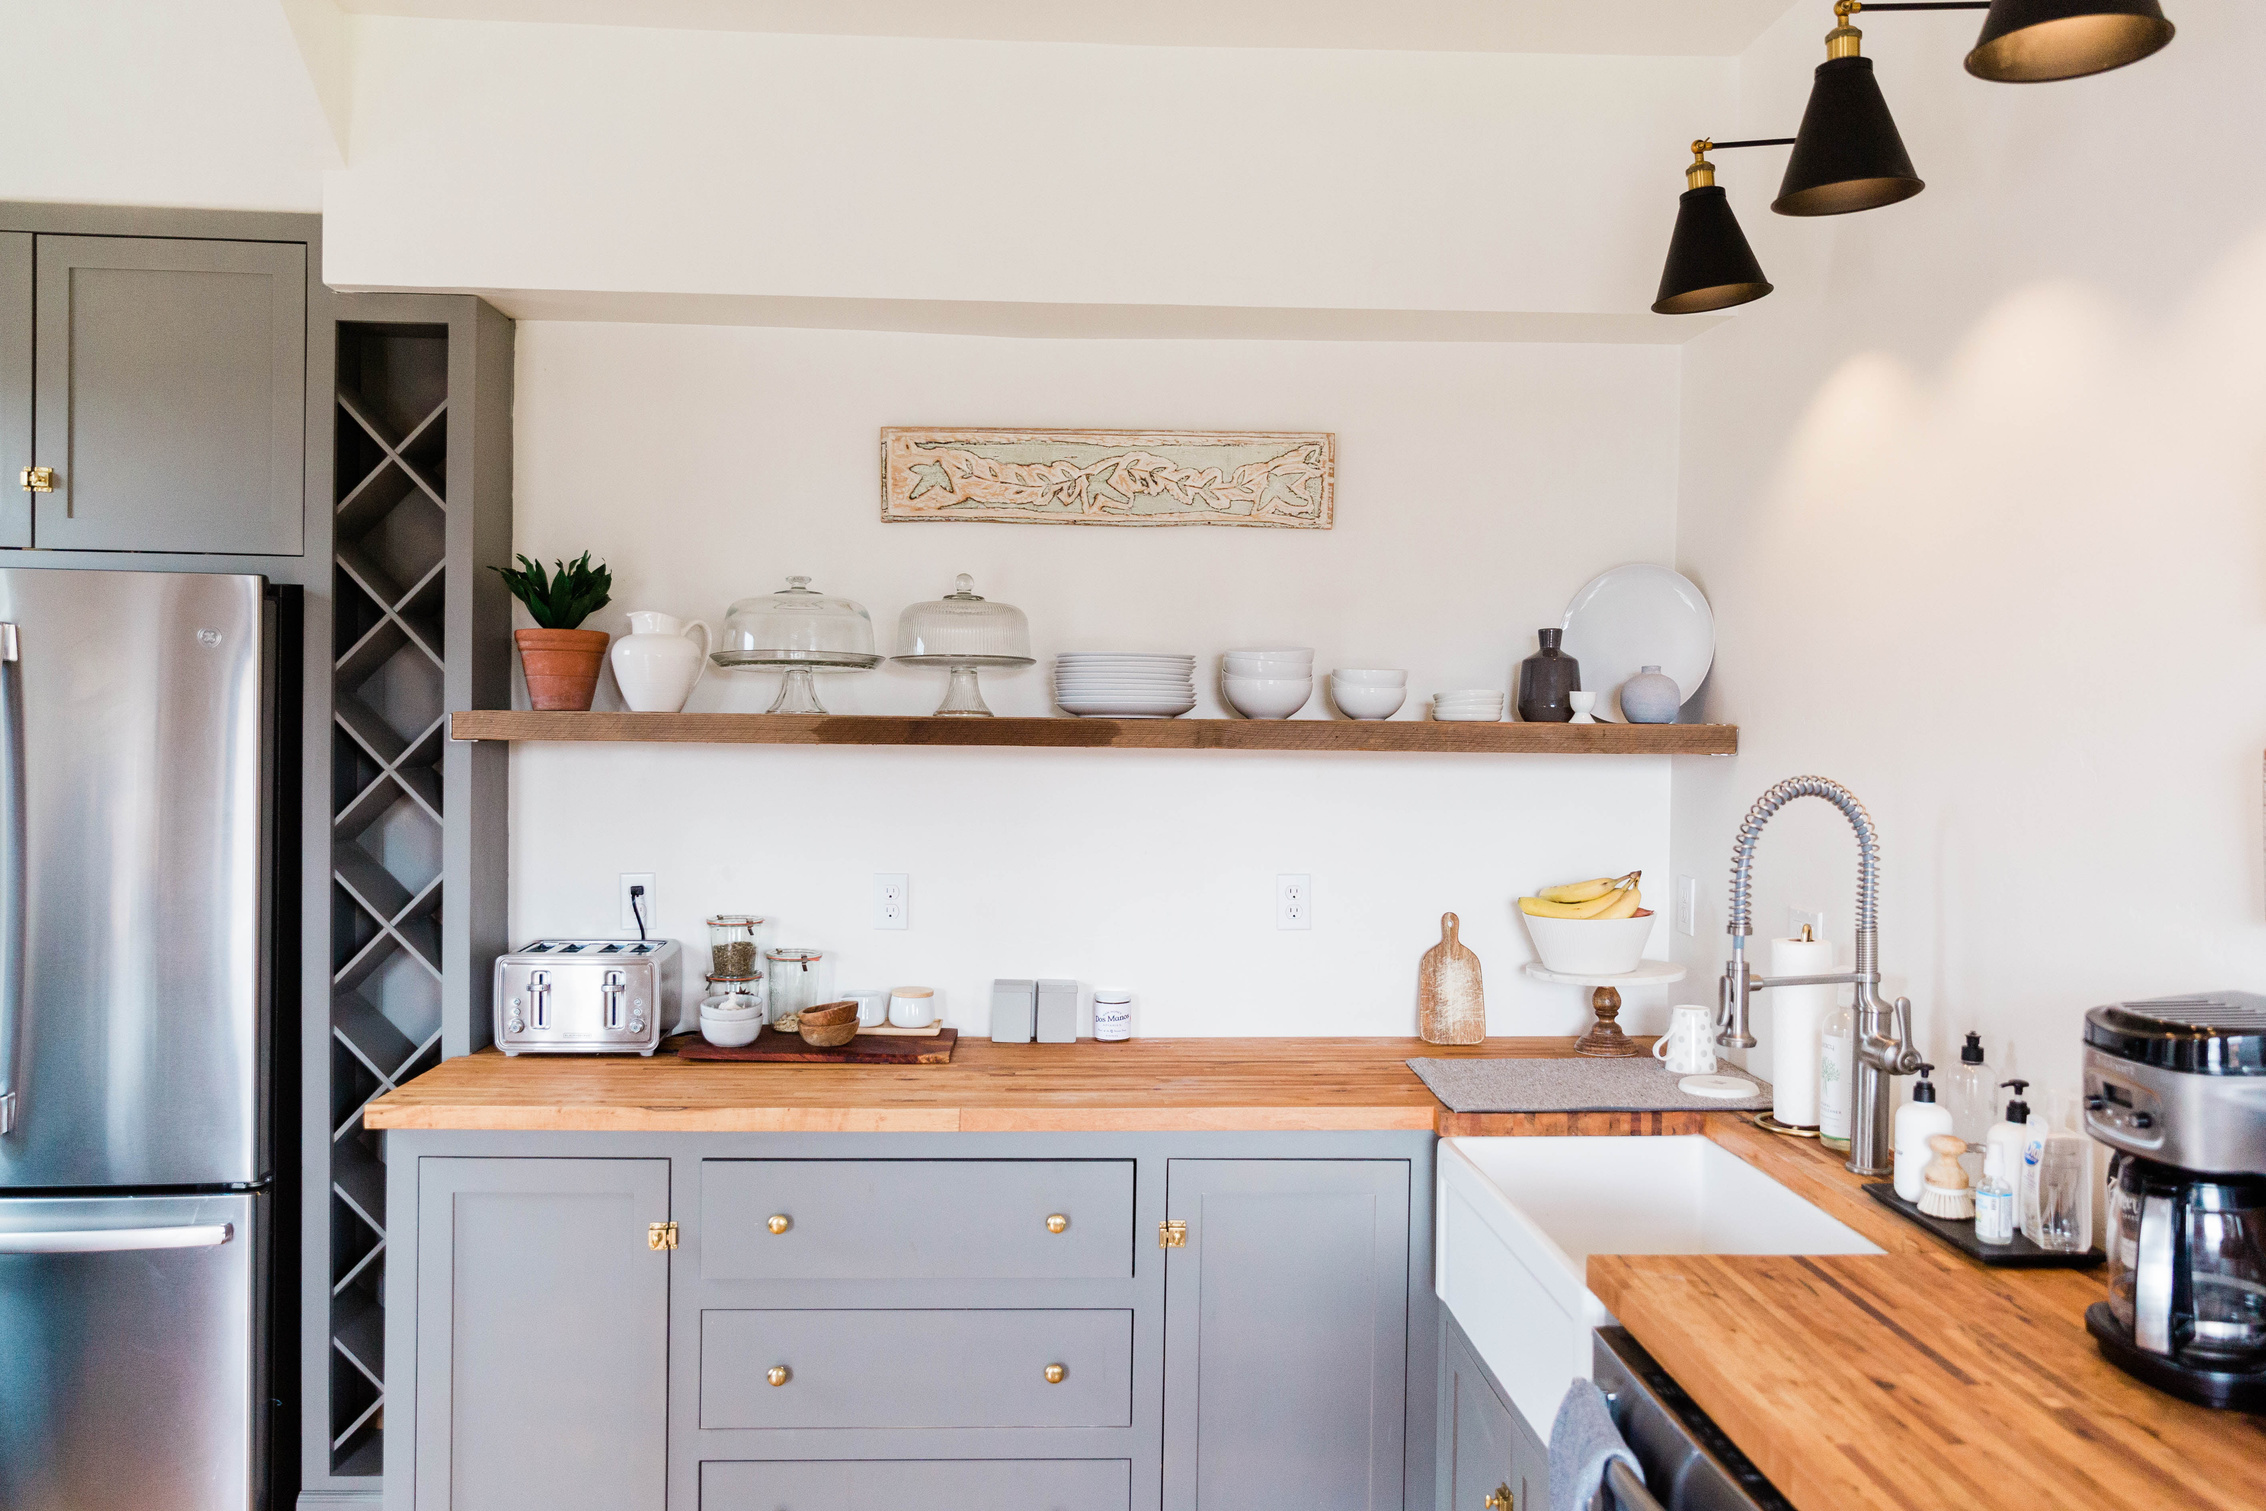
[(388, 736)]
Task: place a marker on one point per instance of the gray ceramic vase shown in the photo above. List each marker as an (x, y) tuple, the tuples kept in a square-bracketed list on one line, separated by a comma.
[(1650, 698)]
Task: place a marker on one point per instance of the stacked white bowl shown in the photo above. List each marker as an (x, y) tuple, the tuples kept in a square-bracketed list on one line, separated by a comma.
[(1267, 684), (1469, 705), (1368, 694), (1125, 684)]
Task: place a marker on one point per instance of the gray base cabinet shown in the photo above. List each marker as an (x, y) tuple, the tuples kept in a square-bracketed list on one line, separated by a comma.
[(965, 1322), (1492, 1460)]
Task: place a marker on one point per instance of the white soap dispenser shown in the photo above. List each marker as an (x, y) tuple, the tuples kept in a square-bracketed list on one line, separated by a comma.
[(2004, 1143), (1916, 1122)]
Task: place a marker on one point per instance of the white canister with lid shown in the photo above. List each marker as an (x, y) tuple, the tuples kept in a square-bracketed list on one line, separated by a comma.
[(912, 1006), (1113, 1014)]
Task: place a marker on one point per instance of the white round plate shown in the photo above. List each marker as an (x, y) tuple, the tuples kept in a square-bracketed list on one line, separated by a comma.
[(1124, 679), (1636, 616), (1451, 717), (1127, 706), (1182, 663), (1724, 1088)]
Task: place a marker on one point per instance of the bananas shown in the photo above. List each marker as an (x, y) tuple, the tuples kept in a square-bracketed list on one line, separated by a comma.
[(1606, 897)]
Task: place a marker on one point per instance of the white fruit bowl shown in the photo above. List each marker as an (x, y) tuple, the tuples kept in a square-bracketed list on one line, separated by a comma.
[(1591, 946)]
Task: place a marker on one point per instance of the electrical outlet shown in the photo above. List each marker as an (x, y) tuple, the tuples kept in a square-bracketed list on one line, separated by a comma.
[(1294, 901), (1796, 917), (1687, 906), (644, 900), (892, 901)]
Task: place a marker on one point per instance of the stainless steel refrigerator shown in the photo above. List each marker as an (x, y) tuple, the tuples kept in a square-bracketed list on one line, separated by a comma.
[(135, 1150)]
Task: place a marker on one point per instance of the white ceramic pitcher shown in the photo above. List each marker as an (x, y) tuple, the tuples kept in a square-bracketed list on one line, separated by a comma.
[(657, 663)]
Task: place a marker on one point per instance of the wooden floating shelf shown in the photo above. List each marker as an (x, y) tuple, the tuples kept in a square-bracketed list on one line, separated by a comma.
[(1397, 735)]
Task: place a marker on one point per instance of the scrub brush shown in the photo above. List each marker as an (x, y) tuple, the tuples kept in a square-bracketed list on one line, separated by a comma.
[(1943, 1184)]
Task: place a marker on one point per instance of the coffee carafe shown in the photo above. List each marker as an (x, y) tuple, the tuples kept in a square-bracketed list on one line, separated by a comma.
[(2177, 1086)]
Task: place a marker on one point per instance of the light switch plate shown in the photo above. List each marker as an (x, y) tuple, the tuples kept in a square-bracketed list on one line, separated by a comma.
[(1687, 906), (1796, 917)]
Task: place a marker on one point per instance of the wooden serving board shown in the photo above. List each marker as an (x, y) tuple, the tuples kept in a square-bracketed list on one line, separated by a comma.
[(774, 1048)]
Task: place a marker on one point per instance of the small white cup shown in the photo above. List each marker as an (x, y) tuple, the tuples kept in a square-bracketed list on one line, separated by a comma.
[(1689, 1044), (912, 1007), (1581, 704), (873, 1007)]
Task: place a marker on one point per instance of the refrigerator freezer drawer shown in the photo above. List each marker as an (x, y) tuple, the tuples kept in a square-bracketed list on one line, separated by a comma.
[(129, 1358)]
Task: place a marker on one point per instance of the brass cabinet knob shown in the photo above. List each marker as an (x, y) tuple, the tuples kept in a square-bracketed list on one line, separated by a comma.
[(1055, 1374), (1057, 1223), (779, 1222), (776, 1374), (1500, 1500)]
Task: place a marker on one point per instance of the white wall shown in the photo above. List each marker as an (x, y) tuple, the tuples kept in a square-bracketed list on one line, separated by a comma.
[(495, 156), (1979, 497), (1478, 487)]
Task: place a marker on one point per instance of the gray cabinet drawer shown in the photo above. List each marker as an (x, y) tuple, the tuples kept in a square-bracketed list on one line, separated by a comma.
[(916, 1219), (929, 1484), (916, 1368)]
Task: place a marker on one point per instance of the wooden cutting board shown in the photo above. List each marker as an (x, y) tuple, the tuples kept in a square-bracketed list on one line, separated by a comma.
[(775, 1048)]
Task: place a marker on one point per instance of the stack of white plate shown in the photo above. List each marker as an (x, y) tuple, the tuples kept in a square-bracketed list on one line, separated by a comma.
[(1124, 684), (1471, 705)]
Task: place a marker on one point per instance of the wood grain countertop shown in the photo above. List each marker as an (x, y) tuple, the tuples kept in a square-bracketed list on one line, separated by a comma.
[(1139, 1086), (1918, 1378)]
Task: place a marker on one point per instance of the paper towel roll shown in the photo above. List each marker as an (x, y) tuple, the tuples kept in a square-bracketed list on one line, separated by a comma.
[(1798, 1013)]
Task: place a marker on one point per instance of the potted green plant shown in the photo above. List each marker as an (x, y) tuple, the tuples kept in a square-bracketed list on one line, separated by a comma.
[(561, 659)]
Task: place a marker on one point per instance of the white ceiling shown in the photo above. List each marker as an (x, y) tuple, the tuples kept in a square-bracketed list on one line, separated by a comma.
[(1702, 28)]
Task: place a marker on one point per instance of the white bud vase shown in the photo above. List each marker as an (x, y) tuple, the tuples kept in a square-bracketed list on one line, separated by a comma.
[(657, 663)]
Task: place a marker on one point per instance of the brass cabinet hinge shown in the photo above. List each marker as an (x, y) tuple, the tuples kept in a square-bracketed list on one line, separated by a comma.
[(661, 1235), (39, 479), (1172, 1234)]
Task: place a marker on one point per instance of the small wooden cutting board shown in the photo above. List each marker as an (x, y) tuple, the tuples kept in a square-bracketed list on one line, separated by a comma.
[(775, 1048)]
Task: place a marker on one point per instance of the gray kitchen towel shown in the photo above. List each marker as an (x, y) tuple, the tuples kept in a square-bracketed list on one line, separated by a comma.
[(1576, 1085), (1582, 1441)]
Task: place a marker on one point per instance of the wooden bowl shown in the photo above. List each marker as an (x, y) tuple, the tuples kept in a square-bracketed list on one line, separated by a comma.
[(827, 1027)]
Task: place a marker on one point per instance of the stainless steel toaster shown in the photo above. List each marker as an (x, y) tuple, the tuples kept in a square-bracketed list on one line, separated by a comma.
[(587, 996)]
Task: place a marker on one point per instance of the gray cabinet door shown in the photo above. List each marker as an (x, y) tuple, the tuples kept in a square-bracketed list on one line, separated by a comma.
[(1484, 1461), (1286, 1331), (15, 386), (171, 395), (918, 1485), (542, 1335)]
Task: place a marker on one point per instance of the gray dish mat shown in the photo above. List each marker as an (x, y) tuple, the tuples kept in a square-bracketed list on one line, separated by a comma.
[(1575, 1085)]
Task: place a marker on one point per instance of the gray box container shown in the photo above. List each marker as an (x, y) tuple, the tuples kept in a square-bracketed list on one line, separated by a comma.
[(1014, 1011), (1058, 1012)]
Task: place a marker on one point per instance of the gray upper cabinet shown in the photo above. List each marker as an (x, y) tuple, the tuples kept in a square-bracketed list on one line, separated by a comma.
[(542, 1335), (15, 386), (1286, 1328), (169, 395)]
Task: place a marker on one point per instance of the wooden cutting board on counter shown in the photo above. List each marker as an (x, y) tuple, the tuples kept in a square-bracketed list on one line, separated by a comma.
[(775, 1048)]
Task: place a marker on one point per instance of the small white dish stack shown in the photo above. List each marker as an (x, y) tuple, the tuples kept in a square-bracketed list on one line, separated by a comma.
[(1370, 693), (1267, 684), (1470, 705), (1124, 684)]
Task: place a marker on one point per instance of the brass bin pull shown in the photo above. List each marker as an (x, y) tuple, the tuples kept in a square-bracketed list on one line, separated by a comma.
[(777, 1374), (779, 1222), (1057, 1222), (1055, 1374)]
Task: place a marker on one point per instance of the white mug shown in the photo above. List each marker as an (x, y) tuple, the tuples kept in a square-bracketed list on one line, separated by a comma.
[(1689, 1044)]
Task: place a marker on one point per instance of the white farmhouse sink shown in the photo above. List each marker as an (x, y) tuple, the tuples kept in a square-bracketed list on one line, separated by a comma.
[(1519, 1218)]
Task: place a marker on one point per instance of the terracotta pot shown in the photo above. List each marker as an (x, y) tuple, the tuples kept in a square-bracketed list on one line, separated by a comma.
[(562, 666)]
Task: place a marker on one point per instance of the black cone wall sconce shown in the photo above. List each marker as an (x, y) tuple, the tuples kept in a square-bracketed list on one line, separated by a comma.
[(1848, 155)]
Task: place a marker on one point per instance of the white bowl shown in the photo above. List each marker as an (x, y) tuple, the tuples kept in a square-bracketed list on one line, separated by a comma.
[(1591, 946), (1266, 697), (1354, 677), (730, 1032), (1367, 702), (1275, 653), (1237, 666)]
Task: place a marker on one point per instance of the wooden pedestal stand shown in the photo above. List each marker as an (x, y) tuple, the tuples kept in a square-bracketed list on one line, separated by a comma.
[(1605, 1040)]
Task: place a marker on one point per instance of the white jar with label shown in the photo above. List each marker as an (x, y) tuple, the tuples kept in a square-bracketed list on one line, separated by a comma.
[(1113, 1015)]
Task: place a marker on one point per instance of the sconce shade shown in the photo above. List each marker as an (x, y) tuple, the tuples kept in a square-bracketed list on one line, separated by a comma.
[(1710, 266), (1847, 155), (2038, 41)]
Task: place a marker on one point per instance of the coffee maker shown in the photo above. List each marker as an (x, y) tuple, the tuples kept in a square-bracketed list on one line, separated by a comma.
[(2177, 1086)]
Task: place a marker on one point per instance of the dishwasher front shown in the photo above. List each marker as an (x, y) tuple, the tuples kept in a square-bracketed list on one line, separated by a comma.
[(1689, 1465)]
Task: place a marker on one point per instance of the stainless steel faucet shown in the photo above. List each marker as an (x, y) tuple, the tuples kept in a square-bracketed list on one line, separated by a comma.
[(1884, 1033)]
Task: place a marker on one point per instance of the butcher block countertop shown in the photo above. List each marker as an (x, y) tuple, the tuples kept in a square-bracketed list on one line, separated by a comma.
[(1139, 1086), (1918, 1377)]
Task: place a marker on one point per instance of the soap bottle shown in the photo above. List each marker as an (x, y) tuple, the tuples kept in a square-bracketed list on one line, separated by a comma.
[(1994, 1201), (1967, 1092), (2004, 1143), (1837, 1070), (1917, 1121)]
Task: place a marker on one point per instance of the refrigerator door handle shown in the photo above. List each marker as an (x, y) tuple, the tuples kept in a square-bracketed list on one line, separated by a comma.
[(209, 1235), (14, 844)]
